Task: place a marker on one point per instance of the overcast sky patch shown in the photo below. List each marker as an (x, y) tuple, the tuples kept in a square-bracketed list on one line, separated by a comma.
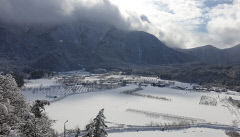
[(178, 23)]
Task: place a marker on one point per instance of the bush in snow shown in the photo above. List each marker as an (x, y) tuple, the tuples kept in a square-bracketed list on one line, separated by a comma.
[(234, 102), (232, 133), (38, 107), (16, 118), (78, 131), (97, 127)]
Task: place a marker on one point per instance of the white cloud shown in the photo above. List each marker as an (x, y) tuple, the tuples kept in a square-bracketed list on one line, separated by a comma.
[(186, 23), (224, 25), (171, 21), (58, 11), (178, 23)]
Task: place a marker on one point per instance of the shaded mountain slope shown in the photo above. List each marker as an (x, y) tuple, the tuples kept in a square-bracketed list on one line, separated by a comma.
[(212, 55), (72, 45), (137, 47)]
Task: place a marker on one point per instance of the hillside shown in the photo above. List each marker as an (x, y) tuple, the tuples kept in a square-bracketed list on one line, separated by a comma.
[(232, 54), (61, 47), (137, 47), (211, 55), (73, 45)]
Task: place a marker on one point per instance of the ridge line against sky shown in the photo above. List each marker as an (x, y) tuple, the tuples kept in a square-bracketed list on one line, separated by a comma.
[(178, 23)]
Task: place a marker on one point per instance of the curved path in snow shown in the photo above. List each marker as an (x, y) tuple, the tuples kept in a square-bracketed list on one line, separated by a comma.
[(135, 128), (131, 128)]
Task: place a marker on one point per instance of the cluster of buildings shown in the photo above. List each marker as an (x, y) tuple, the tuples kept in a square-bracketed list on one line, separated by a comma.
[(115, 80)]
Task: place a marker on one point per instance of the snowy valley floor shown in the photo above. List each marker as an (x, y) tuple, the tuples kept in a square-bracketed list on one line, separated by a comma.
[(152, 109), (183, 108)]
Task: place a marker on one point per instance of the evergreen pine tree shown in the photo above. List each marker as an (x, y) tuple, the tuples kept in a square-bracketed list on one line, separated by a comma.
[(16, 118), (38, 107), (97, 127)]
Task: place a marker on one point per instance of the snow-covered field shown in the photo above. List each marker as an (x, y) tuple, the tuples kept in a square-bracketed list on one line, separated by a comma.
[(186, 103), (142, 112), (33, 89), (80, 109), (124, 110), (44, 82), (49, 89)]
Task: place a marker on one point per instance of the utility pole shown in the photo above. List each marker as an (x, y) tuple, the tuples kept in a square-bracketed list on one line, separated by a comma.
[(64, 128)]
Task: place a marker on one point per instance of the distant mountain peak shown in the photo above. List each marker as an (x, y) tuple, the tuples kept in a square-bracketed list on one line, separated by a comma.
[(205, 47), (237, 45), (209, 46)]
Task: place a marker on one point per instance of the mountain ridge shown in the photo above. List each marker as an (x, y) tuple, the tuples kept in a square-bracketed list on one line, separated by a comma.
[(211, 55), (75, 45)]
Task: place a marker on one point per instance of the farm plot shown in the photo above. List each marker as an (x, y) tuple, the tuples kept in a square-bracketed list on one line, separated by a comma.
[(186, 103), (125, 109)]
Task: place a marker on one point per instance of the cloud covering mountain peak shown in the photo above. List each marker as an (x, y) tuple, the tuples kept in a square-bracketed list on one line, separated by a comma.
[(58, 11), (181, 23)]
